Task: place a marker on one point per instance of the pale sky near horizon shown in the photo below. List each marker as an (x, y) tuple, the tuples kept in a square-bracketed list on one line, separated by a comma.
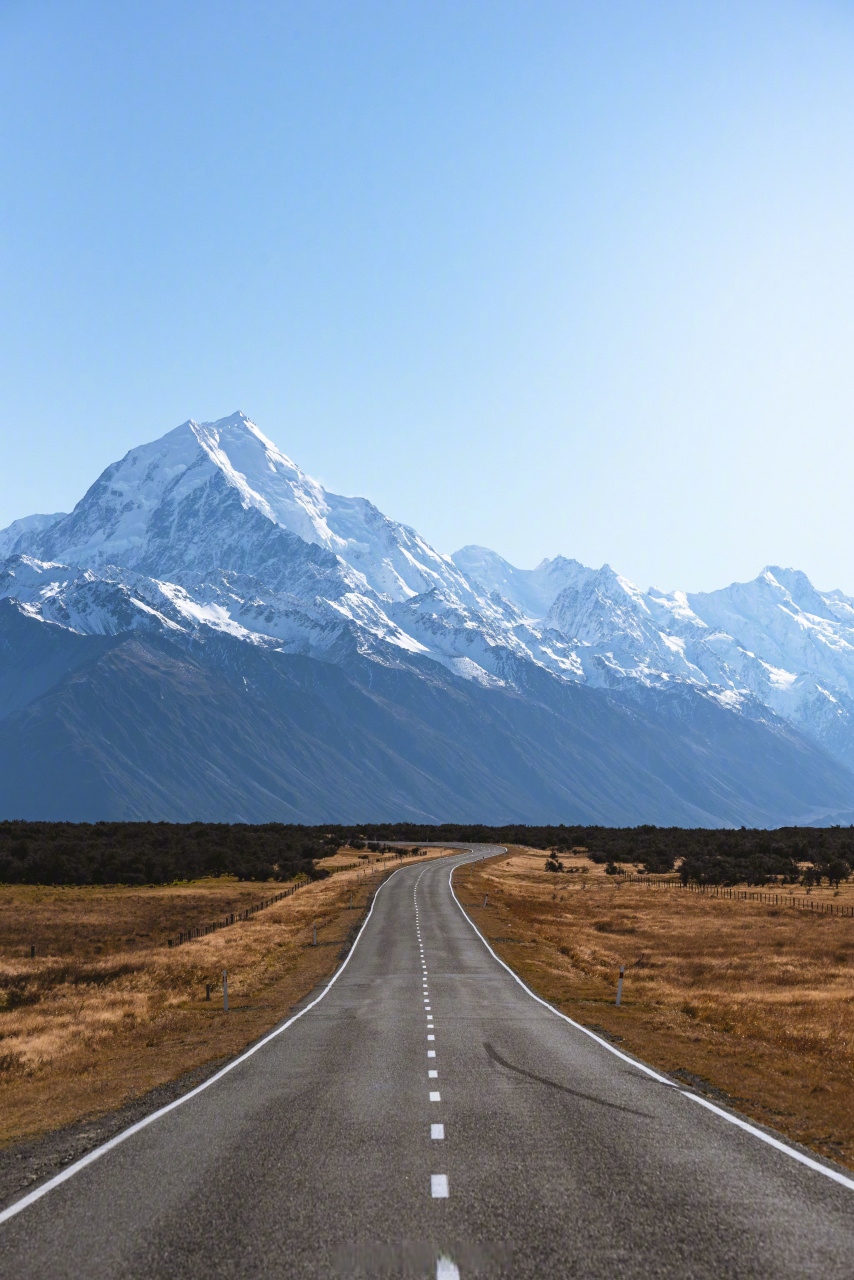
[(553, 278)]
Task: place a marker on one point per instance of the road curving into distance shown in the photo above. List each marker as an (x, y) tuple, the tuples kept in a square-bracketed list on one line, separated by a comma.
[(426, 1116)]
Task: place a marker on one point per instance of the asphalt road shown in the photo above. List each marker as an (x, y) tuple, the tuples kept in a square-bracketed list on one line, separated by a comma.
[(533, 1151)]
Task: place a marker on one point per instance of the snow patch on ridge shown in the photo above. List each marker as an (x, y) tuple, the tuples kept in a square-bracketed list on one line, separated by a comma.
[(213, 528)]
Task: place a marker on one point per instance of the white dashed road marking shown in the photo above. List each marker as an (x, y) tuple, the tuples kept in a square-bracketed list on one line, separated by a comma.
[(446, 1269)]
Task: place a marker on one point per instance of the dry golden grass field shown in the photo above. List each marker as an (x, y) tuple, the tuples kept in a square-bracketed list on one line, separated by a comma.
[(752, 1004), (106, 1011)]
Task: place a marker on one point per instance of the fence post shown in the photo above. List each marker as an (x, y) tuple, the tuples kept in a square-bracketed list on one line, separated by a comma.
[(620, 987), (315, 934), (207, 991), (225, 990)]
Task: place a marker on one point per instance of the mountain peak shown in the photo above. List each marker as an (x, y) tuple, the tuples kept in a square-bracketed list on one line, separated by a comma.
[(212, 540), (208, 490)]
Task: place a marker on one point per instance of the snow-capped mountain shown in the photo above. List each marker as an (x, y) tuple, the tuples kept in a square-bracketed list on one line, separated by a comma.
[(211, 542), (775, 641), (532, 591), (21, 531), (209, 499), (214, 492)]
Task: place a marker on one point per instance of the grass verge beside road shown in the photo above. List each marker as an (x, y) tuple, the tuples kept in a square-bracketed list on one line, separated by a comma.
[(750, 1004), (105, 1011)]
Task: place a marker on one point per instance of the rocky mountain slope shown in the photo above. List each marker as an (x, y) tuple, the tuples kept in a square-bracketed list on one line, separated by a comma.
[(775, 641), (210, 633)]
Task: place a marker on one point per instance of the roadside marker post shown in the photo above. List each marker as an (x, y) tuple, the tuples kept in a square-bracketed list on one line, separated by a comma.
[(207, 991), (225, 990), (315, 935), (620, 987), (486, 899)]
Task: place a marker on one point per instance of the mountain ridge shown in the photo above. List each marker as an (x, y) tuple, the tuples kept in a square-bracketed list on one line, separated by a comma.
[(210, 536)]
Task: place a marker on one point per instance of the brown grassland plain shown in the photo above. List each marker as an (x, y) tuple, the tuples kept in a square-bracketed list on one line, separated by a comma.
[(106, 1011), (750, 1004)]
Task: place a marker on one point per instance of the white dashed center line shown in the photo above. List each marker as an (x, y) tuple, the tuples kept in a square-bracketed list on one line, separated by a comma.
[(446, 1269)]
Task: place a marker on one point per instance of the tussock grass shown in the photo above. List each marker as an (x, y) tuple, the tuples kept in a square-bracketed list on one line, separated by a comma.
[(61, 1010), (106, 1011), (93, 920), (756, 1000)]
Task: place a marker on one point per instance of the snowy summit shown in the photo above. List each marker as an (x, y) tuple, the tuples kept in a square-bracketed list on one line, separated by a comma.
[(212, 531)]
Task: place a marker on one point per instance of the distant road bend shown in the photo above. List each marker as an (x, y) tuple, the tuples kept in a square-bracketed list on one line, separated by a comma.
[(426, 1116)]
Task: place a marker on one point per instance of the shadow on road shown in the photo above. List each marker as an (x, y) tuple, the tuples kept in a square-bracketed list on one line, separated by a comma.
[(553, 1084)]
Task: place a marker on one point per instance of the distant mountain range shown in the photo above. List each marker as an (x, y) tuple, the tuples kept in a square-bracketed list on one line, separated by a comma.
[(210, 634)]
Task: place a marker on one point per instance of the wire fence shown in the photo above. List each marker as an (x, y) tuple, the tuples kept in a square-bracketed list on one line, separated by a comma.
[(743, 895), (202, 930)]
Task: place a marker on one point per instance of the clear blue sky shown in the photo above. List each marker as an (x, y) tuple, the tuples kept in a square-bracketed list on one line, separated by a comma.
[(551, 277)]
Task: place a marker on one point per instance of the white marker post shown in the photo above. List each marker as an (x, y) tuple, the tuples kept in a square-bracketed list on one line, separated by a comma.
[(225, 990), (620, 987)]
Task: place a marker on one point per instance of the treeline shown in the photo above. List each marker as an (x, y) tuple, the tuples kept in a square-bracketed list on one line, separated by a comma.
[(785, 855), (160, 852), (157, 852)]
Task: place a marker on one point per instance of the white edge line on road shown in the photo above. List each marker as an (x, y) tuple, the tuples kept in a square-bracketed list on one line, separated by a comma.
[(92, 1156), (693, 1097)]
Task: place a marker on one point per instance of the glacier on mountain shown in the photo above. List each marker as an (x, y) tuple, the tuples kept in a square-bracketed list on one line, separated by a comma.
[(212, 530), (775, 642), (20, 531)]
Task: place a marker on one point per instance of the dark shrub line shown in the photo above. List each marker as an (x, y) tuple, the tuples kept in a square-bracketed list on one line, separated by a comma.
[(160, 852)]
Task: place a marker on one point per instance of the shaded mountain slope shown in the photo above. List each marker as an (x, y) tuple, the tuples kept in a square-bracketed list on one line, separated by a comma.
[(149, 728), (211, 634)]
